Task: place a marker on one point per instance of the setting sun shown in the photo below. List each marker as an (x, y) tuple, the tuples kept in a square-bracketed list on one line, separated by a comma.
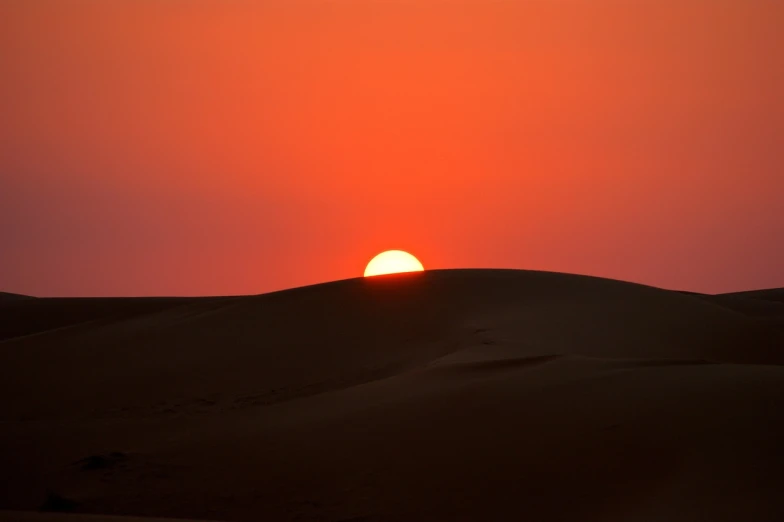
[(393, 262)]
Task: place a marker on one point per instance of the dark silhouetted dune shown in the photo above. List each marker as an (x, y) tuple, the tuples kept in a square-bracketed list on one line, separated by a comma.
[(448, 395), (22, 315), (27, 516), (775, 294), (760, 303), (7, 296)]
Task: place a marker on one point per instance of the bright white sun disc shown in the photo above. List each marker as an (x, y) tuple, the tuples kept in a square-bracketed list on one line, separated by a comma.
[(393, 262)]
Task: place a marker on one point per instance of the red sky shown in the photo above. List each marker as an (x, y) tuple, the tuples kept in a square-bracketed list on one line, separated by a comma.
[(230, 147)]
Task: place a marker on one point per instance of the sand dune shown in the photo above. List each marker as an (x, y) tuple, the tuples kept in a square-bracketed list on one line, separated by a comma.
[(760, 303), (449, 395), (7, 296), (28, 516)]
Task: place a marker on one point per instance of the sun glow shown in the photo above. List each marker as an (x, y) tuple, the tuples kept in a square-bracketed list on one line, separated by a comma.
[(393, 262)]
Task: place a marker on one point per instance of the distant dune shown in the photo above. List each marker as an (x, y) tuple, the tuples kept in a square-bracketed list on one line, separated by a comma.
[(27, 516), (23, 315), (776, 294), (447, 395), (6, 296)]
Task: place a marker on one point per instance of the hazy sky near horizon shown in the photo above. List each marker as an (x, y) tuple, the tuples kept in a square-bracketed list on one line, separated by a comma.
[(233, 147)]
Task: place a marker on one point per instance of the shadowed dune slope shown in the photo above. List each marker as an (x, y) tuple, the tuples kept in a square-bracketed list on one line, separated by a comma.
[(759, 303), (27, 516), (22, 315), (6, 296), (774, 294), (287, 344), (448, 395)]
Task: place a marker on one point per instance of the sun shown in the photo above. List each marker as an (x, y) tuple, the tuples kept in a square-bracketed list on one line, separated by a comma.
[(393, 262)]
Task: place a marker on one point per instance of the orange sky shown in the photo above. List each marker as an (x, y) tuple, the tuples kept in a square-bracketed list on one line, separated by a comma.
[(220, 147)]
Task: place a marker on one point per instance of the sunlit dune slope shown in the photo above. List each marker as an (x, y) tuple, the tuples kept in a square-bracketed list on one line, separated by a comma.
[(447, 395)]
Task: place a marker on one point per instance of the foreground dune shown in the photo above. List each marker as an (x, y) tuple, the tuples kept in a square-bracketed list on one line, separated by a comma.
[(448, 395)]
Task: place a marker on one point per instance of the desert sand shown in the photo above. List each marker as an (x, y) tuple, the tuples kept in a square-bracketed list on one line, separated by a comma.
[(449, 395)]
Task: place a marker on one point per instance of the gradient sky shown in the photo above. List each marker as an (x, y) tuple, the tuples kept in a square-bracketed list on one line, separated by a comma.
[(231, 147)]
